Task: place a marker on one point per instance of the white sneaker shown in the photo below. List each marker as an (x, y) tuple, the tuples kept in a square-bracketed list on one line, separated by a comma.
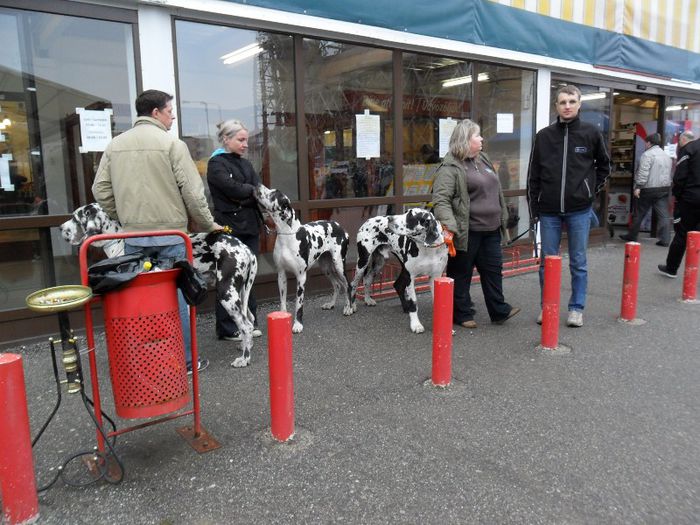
[(539, 318), (575, 318)]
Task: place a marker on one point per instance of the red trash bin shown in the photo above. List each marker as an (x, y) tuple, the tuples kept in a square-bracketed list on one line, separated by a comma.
[(145, 346)]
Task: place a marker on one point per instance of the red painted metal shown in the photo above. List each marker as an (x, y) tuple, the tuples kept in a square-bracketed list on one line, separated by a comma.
[(442, 331), (630, 281), (690, 276), (550, 301), (20, 503), (279, 345), (89, 329)]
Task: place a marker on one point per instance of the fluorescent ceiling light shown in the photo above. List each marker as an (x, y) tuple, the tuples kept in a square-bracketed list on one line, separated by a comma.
[(674, 108), (248, 51), (593, 96), (482, 77)]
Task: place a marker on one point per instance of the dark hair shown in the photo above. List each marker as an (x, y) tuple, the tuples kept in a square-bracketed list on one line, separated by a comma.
[(654, 139), (149, 100)]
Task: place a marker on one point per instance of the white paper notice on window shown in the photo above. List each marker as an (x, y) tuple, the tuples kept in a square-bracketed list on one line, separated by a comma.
[(5, 181), (368, 135), (95, 129), (670, 150), (504, 123), (447, 126)]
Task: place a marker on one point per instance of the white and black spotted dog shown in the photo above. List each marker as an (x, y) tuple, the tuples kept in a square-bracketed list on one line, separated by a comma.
[(415, 238), (221, 258), (299, 246)]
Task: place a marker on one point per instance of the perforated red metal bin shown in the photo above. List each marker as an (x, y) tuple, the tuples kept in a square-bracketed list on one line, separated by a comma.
[(145, 346)]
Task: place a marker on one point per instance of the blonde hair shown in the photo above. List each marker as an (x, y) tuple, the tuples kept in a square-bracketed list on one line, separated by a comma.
[(462, 134), (228, 128)]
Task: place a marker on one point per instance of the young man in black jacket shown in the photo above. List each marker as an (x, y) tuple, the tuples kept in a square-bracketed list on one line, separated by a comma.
[(569, 165), (686, 190)]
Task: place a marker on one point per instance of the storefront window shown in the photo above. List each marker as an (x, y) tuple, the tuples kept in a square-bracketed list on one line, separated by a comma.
[(347, 98), (51, 68), (682, 114), (435, 89), (226, 73)]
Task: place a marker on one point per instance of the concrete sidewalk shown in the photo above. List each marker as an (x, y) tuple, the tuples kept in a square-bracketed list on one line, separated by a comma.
[(605, 434)]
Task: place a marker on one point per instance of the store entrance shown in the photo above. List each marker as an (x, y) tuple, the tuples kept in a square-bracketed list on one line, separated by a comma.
[(634, 116)]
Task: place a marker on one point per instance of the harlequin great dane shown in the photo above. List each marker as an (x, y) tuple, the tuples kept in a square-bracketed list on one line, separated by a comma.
[(220, 257), (415, 238), (299, 246)]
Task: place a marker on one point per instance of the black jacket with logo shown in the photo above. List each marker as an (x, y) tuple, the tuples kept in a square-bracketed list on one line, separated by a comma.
[(686, 179), (569, 165)]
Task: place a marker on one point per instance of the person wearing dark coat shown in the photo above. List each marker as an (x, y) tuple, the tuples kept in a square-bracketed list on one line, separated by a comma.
[(232, 180)]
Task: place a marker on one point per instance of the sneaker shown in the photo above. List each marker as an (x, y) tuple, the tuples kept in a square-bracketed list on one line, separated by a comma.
[(257, 332), (627, 238), (662, 243), (202, 364), (513, 312), (663, 270), (471, 324), (235, 336), (539, 317), (575, 319)]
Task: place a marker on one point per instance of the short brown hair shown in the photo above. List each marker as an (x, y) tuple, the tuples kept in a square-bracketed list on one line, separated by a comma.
[(569, 89)]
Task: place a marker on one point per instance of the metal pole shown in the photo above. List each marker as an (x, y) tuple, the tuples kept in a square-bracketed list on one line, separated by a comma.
[(550, 301), (279, 344), (690, 276), (630, 282), (442, 331), (20, 503)]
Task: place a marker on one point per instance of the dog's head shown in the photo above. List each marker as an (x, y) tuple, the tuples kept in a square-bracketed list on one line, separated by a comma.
[(86, 221), (276, 204), (424, 227)]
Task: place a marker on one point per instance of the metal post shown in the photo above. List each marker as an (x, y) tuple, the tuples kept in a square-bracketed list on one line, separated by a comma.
[(550, 301), (20, 503), (690, 276), (630, 282), (279, 344), (443, 293)]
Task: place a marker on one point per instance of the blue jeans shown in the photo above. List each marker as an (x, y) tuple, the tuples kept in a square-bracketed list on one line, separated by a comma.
[(578, 225), (174, 252)]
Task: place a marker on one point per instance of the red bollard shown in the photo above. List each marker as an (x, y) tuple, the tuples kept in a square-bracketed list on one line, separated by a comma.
[(550, 301), (630, 281), (20, 503), (279, 345), (690, 276), (443, 297)]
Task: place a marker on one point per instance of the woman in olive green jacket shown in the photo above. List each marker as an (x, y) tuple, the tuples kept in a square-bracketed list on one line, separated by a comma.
[(468, 200)]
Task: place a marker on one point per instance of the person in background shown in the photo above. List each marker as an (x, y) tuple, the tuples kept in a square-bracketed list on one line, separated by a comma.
[(232, 181), (686, 190), (652, 185), (147, 180), (569, 165), (469, 201)]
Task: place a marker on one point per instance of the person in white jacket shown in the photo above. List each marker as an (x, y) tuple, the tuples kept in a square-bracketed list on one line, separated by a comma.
[(652, 187)]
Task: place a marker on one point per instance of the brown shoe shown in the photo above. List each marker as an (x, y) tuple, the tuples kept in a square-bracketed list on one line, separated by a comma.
[(471, 324), (513, 312)]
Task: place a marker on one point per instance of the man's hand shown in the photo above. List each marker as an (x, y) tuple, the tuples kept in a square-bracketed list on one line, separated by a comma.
[(637, 192)]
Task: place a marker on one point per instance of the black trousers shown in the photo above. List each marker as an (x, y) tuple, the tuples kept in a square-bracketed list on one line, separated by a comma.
[(689, 221), (225, 326), (658, 198), (483, 252)]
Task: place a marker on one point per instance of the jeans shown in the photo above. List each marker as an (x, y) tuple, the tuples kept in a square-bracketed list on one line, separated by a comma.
[(174, 252), (483, 251), (689, 221), (658, 198), (225, 326), (578, 225)]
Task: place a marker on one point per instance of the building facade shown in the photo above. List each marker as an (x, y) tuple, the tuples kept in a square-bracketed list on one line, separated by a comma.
[(348, 106)]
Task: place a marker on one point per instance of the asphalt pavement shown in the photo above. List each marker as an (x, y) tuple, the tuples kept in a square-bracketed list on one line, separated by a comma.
[(606, 433)]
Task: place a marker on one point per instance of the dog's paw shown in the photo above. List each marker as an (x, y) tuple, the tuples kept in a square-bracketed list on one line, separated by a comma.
[(328, 306), (240, 362), (417, 328), (297, 328), (349, 309), (370, 302)]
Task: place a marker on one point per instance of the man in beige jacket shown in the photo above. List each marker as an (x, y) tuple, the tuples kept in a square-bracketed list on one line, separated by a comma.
[(147, 181)]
